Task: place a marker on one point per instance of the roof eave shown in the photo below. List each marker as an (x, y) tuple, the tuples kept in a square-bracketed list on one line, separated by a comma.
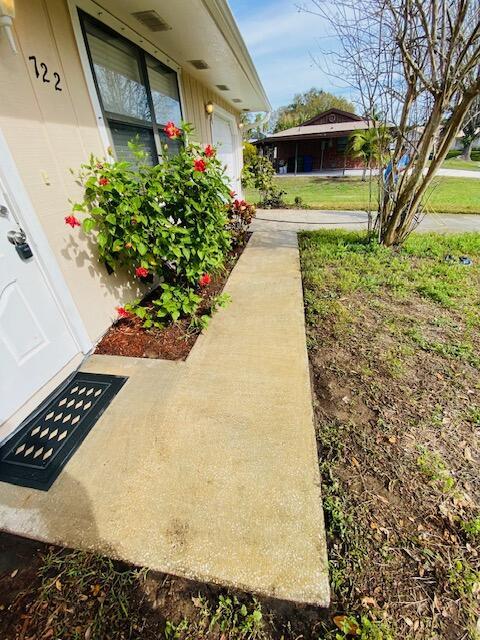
[(226, 23)]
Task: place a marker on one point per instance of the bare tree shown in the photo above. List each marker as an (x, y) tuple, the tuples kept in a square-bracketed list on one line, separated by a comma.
[(415, 62)]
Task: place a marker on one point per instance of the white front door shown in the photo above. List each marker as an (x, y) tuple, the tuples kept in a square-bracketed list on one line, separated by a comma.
[(224, 139), (35, 341)]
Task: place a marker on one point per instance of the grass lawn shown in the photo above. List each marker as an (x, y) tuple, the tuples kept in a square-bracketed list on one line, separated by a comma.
[(394, 346), (455, 163), (451, 195)]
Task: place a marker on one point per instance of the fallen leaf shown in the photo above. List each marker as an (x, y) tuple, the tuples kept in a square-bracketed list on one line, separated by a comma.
[(14, 573), (347, 625), (88, 633), (392, 439), (197, 602), (409, 621), (95, 589), (369, 601), (58, 585), (468, 454)]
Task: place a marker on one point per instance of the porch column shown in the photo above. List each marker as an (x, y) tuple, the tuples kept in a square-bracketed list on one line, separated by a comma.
[(296, 157)]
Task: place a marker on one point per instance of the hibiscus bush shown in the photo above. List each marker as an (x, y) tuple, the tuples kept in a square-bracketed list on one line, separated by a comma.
[(167, 222)]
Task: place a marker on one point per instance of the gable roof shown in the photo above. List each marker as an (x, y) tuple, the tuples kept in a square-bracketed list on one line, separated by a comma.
[(345, 114), (312, 131)]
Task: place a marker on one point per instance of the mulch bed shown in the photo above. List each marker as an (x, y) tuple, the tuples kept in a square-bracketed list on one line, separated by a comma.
[(127, 337)]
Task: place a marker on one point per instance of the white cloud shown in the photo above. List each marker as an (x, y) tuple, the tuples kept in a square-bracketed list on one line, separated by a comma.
[(282, 41)]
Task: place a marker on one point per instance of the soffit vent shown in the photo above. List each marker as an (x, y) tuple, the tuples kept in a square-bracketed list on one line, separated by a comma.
[(222, 87), (151, 20), (236, 100), (199, 64)]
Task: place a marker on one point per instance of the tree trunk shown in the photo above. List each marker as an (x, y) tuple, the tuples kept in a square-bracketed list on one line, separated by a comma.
[(467, 152), (364, 174)]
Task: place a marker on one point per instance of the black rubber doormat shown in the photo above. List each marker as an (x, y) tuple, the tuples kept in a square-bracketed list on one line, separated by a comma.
[(49, 437)]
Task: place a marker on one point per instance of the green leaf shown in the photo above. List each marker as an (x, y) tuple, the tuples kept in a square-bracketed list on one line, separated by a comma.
[(88, 224), (117, 245), (141, 248), (111, 218), (102, 239)]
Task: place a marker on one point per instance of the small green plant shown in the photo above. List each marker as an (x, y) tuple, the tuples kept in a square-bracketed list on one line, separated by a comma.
[(235, 618), (474, 416), (175, 631), (259, 174), (463, 579), (363, 629), (471, 527), (433, 466), (228, 618)]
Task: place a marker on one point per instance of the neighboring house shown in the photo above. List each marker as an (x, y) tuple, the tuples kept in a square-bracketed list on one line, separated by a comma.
[(87, 76), (319, 144)]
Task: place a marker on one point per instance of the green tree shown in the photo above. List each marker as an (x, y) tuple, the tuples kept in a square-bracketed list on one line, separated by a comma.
[(307, 105), (370, 145)]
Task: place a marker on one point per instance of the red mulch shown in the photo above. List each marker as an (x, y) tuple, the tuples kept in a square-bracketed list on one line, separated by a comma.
[(127, 337)]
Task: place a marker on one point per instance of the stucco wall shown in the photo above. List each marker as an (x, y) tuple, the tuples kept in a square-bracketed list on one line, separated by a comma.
[(50, 131)]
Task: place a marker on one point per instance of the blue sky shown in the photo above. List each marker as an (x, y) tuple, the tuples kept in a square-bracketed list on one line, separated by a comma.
[(282, 41)]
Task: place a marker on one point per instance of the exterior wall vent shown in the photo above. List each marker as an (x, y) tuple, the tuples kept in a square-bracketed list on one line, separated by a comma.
[(199, 64), (151, 20), (222, 87)]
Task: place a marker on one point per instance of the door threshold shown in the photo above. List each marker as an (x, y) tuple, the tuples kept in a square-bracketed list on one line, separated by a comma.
[(10, 426)]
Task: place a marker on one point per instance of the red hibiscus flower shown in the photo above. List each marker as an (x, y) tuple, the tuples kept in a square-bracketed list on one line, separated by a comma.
[(233, 193), (141, 272), (199, 165), (209, 151), (103, 181), (123, 313), (72, 221), (204, 280), (171, 130)]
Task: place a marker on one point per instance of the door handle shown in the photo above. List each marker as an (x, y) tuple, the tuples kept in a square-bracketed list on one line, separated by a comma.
[(16, 237)]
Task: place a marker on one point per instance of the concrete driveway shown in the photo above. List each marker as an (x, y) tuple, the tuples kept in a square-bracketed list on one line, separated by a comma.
[(310, 219)]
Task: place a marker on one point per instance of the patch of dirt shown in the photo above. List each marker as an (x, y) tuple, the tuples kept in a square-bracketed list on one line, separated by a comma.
[(89, 597), (127, 337), (399, 458)]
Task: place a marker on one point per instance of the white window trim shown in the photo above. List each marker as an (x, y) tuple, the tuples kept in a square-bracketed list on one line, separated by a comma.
[(46, 260), (92, 9)]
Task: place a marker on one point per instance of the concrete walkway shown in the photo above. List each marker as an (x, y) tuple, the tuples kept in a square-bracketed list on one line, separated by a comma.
[(206, 468), (274, 220)]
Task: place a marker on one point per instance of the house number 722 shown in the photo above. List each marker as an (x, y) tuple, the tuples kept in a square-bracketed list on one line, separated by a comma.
[(43, 73)]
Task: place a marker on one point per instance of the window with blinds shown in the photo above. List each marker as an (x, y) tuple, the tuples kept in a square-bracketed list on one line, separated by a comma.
[(138, 94)]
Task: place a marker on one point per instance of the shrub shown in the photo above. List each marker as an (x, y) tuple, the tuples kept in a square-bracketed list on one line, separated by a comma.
[(165, 222), (250, 151), (259, 174), (240, 215)]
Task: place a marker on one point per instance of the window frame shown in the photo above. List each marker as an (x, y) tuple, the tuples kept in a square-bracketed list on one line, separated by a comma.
[(141, 55)]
